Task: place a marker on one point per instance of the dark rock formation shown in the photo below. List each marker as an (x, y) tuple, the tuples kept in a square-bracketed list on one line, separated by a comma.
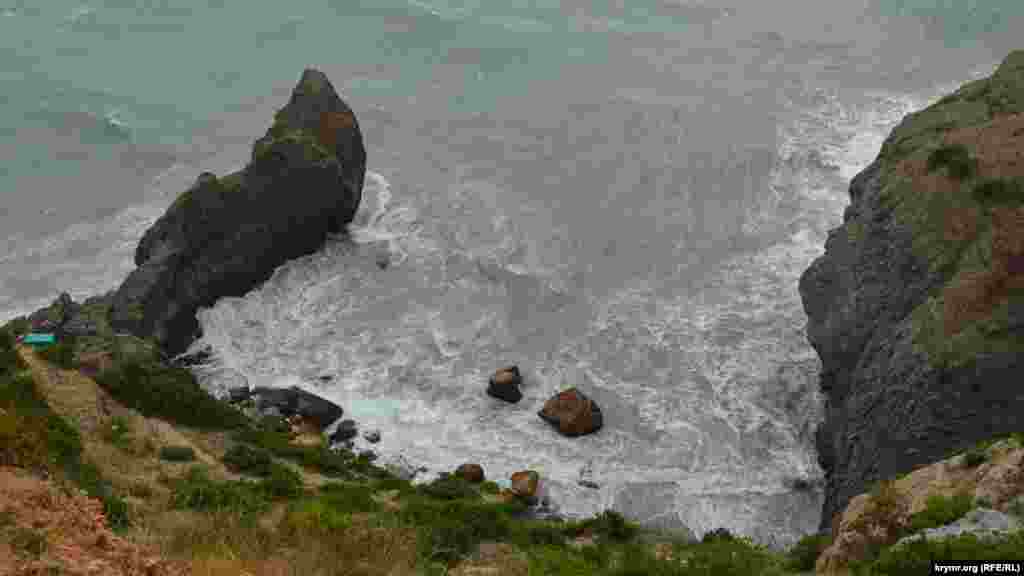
[(289, 402), (572, 413), (915, 309), (225, 236), (346, 431), (504, 385)]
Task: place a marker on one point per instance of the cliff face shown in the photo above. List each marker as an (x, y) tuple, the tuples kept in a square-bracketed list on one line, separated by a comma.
[(225, 236), (917, 306)]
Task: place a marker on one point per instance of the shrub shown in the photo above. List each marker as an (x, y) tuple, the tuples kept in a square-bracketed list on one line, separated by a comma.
[(718, 534), (490, 487), (283, 482), (721, 557), (167, 392), (537, 533), (177, 453), (999, 191), (917, 556), (609, 525), (956, 159), (118, 432), (802, 556), (244, 459), (348, 498), (451, 528), (975, 457), (196, 491), (313, 515), (449, 487), (33, 436), (940, 510), (60, 354)]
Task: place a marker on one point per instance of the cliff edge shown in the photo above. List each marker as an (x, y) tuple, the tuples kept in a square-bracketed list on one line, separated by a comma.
[(917, 306), (225, 236)]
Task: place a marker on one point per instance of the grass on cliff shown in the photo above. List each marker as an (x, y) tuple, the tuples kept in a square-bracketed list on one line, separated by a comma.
[(955, 158), (167, 392), (33, 436)]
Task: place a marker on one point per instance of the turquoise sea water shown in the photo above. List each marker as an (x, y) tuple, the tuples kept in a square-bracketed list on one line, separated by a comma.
[(614, 195)]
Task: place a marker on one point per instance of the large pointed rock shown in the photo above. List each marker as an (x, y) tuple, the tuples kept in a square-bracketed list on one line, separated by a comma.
[(226, 235), (572, 413)]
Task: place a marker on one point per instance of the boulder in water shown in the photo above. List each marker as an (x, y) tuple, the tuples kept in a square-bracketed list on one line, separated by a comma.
[(346, 431), (572, 413), (504, 385), (525, 485), (372, 436)]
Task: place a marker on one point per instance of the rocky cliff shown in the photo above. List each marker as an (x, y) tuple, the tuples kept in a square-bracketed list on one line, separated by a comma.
[(917, 306), (225, 236)]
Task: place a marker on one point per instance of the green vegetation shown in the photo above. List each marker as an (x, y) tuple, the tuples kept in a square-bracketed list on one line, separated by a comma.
[(33, 436), (916, 556), (270, 435), (244, 459), (61, 353), (955, 158), (940, 510), (802, 556), (975, 457), (991, 191), (177, 453), (197, 491), (167, 392), (450, 487), (118, 432)]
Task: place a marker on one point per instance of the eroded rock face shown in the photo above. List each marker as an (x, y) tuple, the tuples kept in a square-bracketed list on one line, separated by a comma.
[(915, 308), (881, 517), (225, 236)]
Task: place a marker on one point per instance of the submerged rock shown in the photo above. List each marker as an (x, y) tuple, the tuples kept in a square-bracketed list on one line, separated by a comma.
[(572, 413), (225, 236)]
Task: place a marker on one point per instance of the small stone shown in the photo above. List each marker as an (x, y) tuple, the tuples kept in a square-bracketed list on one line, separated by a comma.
[(470, 472), (346, 431), (372, 436), (504, 385)]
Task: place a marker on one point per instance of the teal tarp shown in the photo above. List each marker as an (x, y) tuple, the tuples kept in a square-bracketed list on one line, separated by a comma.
[(39, 339)]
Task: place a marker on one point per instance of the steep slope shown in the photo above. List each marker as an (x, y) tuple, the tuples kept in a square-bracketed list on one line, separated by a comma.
[(917, 306)]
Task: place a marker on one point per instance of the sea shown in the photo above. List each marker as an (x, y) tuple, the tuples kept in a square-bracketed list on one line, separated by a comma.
[(614, 196)]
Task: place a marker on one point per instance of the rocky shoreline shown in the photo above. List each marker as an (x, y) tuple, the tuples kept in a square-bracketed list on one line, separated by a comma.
[(915, 309)]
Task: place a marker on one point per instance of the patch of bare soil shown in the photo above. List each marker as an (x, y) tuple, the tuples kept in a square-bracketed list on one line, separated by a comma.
[(47, 530)]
